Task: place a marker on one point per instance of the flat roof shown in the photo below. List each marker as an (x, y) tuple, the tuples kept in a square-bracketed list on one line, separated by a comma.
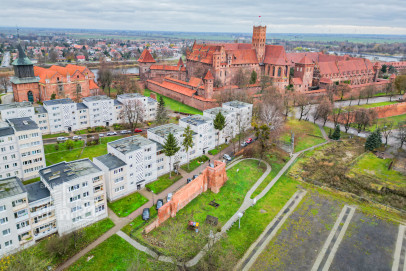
[(196, 120), (216, 110), (67, 171), (237, 104), (80, 106), (130, 144), (59, 101), (10, 187), (116, 102), (15, 105), (23, 124), (110, 161), (165, 129), (5, 131), (96, 98), (130, 95), (37, 191), (151, 100), (40, 110)]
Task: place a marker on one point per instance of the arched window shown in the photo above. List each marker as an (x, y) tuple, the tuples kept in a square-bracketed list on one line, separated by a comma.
[(279, 72)]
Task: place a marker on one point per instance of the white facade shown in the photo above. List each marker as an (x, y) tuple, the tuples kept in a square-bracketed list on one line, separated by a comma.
[(244, 113), (101, 110), (42, 120), (230, 130), (149, 105), (61, 115), (16, 110), (203, 127)]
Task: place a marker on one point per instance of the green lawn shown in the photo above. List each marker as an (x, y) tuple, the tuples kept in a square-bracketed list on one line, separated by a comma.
[(81, 132), (371, 165), (175, 105), (306, 134), (54, 135), (90, 233), (394, 119), (163, 182), (218, 149), (53, 156), (34, 180), (230, 199), (117, 254), (195, 163), (373, 105), (125, 206)]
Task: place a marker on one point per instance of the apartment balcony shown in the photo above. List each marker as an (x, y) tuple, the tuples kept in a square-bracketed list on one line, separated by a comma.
[(20, 206), (44, 210), (25, 237), (21, 218), (25, 229), (98, 190), (43, 221)]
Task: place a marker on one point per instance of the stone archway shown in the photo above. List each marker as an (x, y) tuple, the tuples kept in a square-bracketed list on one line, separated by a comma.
[(30, 96)]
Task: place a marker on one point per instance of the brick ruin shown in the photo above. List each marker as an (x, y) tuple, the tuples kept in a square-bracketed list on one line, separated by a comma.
[(212, 178)]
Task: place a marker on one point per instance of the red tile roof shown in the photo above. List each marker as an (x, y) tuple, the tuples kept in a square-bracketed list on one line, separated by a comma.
[(243, 56), (166, 67), (297, 57), (146, 57), (194, 81), (209, 76), (275, 55), (93, 85), (325, 80), (305, 60), (297, 81), (180, 63), (203, 53)]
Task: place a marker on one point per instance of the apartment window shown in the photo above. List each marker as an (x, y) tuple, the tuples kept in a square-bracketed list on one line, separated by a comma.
[(118, 189), (6, 232), (86, 194), (73, 187), (20, 213), (161, 167), (75, 198), (148, 174), (100, 208), (148, 166), (88, 214), (18, 202), (2, 208), (21, 137), (5, 158), (76, 219), (8, 243), (76, 208), (13, 156), (3, 220), (22, 224), (84, 184), (87, 204), (3, 149), (14, 164), (6, 166), (118, 170)]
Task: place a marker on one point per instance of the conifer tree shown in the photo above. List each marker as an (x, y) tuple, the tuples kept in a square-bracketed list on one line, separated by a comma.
[(187, 142), (161, 114), (337, 133), (219, 123), (170, 148), (374, 140), (253, 78)]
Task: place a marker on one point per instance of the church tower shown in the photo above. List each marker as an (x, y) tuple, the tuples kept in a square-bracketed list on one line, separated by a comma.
[(24, 82), (258, 41)]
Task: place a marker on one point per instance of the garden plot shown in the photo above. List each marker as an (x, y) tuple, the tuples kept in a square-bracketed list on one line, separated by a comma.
[(297, 244), (368, 244)]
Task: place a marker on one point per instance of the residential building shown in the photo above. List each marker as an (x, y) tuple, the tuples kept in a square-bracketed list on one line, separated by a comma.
[(244, 114), (61, 115), (82, 116), (101, 110), (203, 127), (230, 130), (42, 119), (148, 105), (78, 192), (16, 110)]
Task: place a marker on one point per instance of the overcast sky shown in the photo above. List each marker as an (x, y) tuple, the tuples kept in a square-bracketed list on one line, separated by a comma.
[(291, 16)]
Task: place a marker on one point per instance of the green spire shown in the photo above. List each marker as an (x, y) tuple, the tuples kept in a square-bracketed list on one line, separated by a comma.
[(22, 57)]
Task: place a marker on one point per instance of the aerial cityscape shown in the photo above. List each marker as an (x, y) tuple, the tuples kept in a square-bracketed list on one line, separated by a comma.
[(203, 136)]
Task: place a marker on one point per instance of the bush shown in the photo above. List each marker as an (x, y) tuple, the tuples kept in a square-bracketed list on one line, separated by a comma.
[(57, 147)]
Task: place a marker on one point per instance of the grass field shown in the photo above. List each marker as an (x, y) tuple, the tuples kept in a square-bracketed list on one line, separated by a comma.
[(54, 135), (195, 163), (374, 105), (163, 182), (175, 105), (53, 156), (306, 134), (217, 149), (230, 198), (125, 206)]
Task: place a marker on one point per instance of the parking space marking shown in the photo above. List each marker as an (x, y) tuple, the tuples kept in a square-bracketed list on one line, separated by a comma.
[(400, 250), (327, 253)]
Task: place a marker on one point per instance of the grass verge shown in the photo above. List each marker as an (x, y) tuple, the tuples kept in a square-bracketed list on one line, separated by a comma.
[(125, 206), (195, 163), (163, 182)]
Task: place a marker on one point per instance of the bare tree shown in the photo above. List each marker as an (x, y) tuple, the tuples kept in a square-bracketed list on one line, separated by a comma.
[(133, 111), (336, 114), (287, 102), (323, 110), (386, 129), (271, 110), (347, 117), (303, 102), (370, 91), (401, 134), (241, 78), (4, 83), (105, 77), (364, 117), (124, 83)]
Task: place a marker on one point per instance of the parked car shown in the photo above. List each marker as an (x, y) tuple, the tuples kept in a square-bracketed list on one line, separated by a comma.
[(159, 203), (111, 133), (145, 214), (169, 197), (77, 138), (195, 176), (227, 157), (244, 144), (249, 140), (137, 130), (61, 138), (123, 132), (188, 180), (101, 135)]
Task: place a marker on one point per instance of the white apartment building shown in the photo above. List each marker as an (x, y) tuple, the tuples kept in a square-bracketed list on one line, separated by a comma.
[(244, 113), (82, 116), (61, 115), (16, 110), (21, 149), (101, 110), (149, 105), (230, 130), (78, 192), (42, 119), (15, 228), (203, 127), (159, 135)]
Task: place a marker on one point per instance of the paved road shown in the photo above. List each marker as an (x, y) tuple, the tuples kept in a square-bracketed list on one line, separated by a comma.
[(6, 60)]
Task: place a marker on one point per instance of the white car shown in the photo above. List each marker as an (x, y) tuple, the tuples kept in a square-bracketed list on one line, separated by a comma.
[(169, 197), (61, 138), (125, 132), (77, 138), (101, 135), (111, 133), (227, 157)]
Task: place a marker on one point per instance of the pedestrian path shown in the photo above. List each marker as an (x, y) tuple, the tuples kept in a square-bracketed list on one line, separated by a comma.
[(399, 257), (327, 253)]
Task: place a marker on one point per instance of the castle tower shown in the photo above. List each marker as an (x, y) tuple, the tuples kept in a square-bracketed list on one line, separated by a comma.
[(258, 41), (145, 61), (24, 82), (304, 70), (208, 85)]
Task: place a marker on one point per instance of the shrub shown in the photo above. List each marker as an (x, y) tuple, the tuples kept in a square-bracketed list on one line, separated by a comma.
[(57, 147)]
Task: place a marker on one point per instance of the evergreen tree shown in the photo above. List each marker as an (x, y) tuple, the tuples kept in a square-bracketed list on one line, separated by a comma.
[(170, 148), (374, 140), (219, 123), (187, 142), (161, 114), (253, 78), (337, 133)]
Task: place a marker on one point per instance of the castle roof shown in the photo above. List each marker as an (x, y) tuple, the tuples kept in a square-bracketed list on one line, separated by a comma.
[(146, 57), (275, 55), (209, 76), (305, 60), (22, 58), (180, 63)]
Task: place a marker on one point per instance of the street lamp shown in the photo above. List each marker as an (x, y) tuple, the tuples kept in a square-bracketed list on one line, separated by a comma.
[(239, 218), (153, 201)]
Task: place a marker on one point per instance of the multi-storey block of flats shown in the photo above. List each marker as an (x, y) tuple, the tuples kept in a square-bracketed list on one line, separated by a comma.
[(21, 148), (203, 127), (64, 115)]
